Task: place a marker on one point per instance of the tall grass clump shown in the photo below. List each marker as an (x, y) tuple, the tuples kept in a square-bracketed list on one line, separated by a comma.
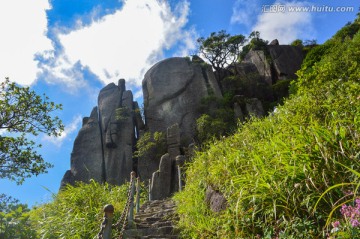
[(77, 211), (278, 174)]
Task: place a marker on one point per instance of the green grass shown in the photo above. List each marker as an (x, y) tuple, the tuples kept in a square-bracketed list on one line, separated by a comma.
[(275, 172), (77, 211)]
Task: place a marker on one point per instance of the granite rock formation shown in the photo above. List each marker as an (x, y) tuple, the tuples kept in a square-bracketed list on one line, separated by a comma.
[(276, 62), (104, 146), (173, 90)]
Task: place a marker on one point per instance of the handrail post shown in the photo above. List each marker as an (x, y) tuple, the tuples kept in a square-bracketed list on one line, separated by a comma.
[(179, 174), (106, 225), (149, 189), (131, 209), (179, 161), (138, 191)]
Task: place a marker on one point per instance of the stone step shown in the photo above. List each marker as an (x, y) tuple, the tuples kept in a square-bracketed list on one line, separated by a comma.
[(156, 224), (154, 221), (164, 231), (155, 237)]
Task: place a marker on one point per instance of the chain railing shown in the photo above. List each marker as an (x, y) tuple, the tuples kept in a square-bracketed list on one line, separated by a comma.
[(127, 215)]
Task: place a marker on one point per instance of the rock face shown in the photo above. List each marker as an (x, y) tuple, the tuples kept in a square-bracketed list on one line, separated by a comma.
[(86, 157), (258, 59), (104, 146), (286, 60), (173, 89)]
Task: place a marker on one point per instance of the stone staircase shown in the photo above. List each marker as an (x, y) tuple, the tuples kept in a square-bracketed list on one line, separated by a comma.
[(154, 221)]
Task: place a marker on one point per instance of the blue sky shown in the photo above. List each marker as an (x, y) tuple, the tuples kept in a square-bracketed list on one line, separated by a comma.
[(70, 49)]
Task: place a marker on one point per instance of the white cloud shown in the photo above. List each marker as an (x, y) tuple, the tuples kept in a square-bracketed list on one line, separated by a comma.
[(61, 71), (125, 44), (73, 126), (245, 12), (23, 25), (285, 26)]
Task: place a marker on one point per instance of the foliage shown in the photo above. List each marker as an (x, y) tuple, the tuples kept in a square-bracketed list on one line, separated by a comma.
[(316, 52), (273, 171), (151, 145), (281, 90), (24, 113), (217, 118), (76, 211), (14, 219), (122, 114), (221, 49), (255, 43), (297, 42), (250, 86)]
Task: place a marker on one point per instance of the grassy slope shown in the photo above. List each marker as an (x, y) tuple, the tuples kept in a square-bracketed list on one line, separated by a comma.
[(274, 170)]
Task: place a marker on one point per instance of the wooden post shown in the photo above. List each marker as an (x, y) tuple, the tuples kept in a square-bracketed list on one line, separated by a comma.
[(179, 175), (138, 191), (108, 217), (149, 189), (131, 209)]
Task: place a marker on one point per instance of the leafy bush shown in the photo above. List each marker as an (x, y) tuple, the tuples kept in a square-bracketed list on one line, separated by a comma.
[(14, 219), (76, 211), (274, 170), (217, 118), (151, 145)]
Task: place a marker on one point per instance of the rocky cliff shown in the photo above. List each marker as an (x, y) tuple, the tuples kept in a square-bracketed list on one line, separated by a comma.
[(173, 91), (104, 146)]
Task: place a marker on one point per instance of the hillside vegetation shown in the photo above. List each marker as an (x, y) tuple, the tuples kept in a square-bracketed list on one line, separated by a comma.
[(295, 173)]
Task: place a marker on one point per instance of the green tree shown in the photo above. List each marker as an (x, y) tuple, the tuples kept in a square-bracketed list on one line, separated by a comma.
[(221, 49), (14, 219), (297, 42), (255, 42), (24, 113)]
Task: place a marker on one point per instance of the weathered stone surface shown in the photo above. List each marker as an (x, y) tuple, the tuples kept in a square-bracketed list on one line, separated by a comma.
[(161, 180), (173, 140), (86, 157), (216, 200), (119, 135), (173, 89), (155, 219), (274, 42), (286, 59), (104, 146), (139, 123), (239, 115), (258, 58), (254, 108)]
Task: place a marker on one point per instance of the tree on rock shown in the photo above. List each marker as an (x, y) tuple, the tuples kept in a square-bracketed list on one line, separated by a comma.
[(221, 49), (24, 113)]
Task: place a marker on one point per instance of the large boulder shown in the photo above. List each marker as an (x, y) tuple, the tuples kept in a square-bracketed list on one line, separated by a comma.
[(173, 90), (118, 135), (86, 157), (276, 62), (286, 59), (104, 146), (259, 60)]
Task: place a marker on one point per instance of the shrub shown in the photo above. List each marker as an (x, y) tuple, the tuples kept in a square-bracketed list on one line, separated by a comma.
[(151, 145)]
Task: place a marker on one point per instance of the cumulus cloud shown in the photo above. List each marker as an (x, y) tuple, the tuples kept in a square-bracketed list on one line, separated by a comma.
[(23, 25), (73, 126), (285, 26), (245, 11), (126, 43)]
